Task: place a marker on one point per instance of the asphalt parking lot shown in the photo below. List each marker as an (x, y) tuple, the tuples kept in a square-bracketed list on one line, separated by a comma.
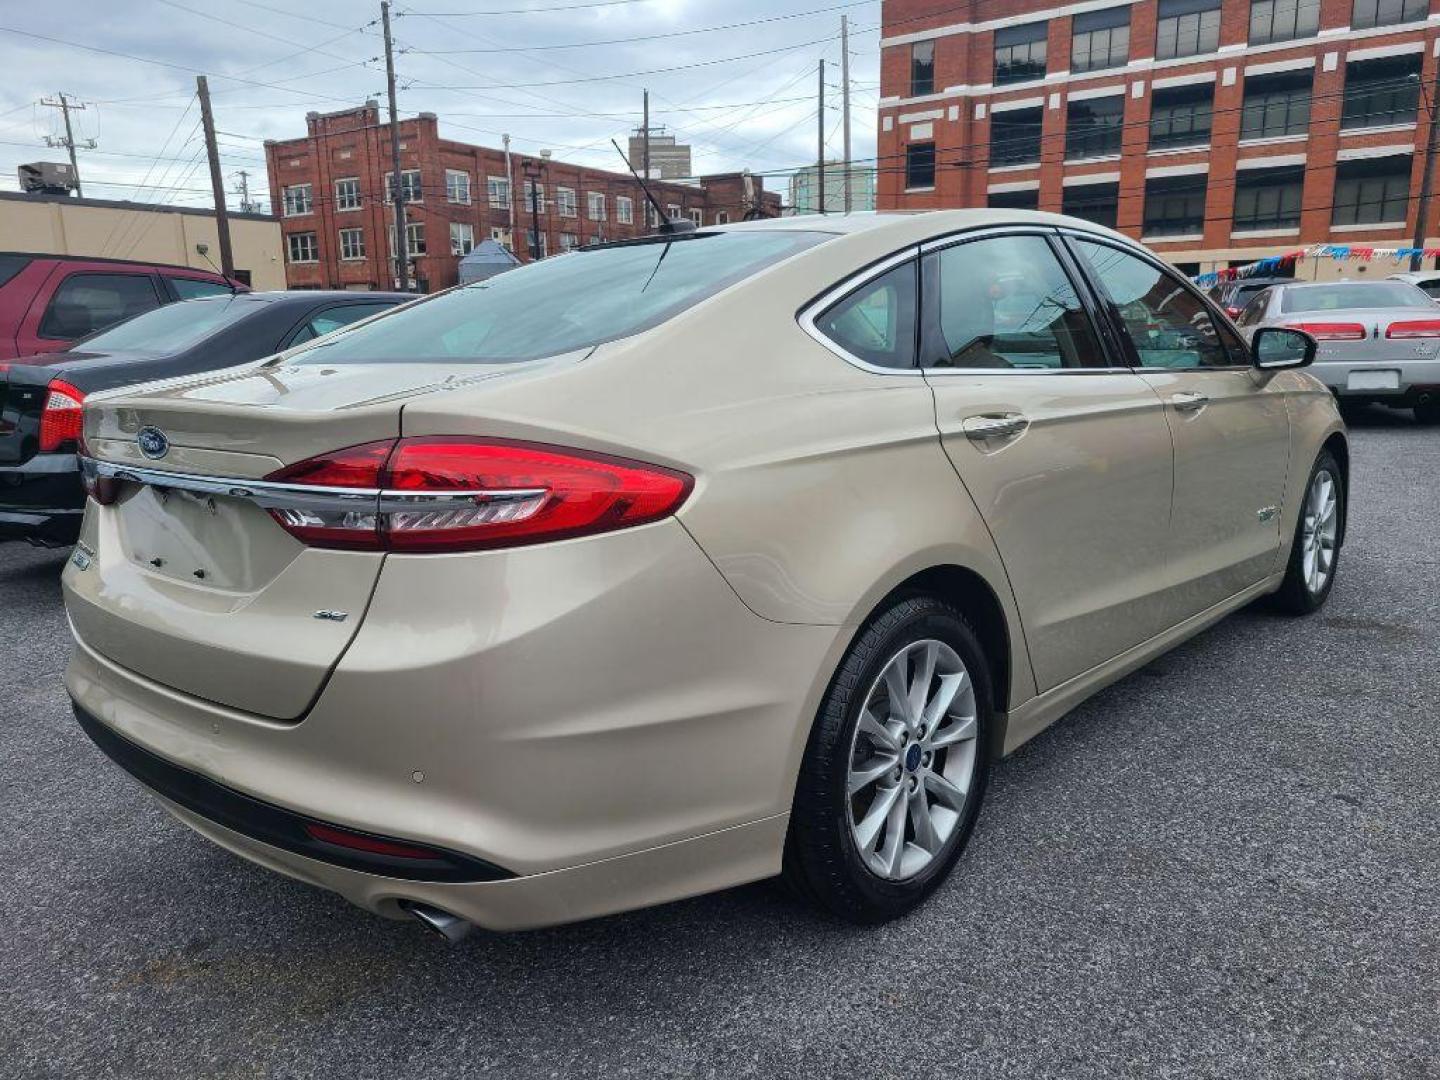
[(1226, 865)]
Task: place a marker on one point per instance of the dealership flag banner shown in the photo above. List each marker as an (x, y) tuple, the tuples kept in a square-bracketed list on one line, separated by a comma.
[(1338, 252)]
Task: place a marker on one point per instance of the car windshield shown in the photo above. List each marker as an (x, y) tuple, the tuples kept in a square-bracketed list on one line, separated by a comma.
[(1355, 294), (172, 328), (562, 304)]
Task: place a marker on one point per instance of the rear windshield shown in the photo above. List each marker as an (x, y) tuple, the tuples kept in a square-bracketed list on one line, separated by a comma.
[(1355, 294), (170, 329), (562, 304)]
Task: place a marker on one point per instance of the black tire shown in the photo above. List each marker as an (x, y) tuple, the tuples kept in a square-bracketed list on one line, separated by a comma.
[(1428, 413), (1295, 596), (822, 864)]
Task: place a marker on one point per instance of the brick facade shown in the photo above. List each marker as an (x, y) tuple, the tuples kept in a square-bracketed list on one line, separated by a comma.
[(355, 145), (959, 113)]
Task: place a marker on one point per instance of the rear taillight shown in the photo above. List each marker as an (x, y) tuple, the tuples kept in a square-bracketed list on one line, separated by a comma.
[(1418, 328), (1233, 311), (60, 417), (467, 494), (1331, 331)]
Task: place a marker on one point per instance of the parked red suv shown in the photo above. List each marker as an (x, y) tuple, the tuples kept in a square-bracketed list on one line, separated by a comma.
[(48, 301)]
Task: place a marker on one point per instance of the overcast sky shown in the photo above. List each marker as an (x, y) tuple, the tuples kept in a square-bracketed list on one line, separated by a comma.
[(484, 74)]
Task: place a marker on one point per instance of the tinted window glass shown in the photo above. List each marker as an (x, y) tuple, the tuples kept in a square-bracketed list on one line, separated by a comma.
[(174, 327), (323, 322), (877, 321), (1005, 303), (1354, 294), (1430, 288), (85, 303), (193, 288), (1170, 326), (10, 265), (570, 302)]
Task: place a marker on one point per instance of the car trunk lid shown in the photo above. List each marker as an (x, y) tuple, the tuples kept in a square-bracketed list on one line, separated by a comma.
[(1372, 335)]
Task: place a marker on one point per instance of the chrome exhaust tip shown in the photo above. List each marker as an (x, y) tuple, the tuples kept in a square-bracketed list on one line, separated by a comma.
[(450, 927)]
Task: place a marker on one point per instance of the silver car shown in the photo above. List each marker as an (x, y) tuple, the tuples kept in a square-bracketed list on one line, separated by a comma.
[(1427, 281), (1379, 340)]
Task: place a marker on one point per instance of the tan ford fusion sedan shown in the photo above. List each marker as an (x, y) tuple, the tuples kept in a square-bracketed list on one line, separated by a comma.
[(678, 563)]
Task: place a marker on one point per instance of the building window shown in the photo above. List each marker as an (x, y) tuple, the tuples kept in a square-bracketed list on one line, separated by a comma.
[(565, 202), (462, 238), (569, 241), (347, 194), (672, 211), (1381, 93), (414, 239), (1276, 105), (922, 68), (697, 216), (537, 191), (1268, 198), (409, 183), (1373, 191), (498, 190), (1180, 116), (1283, 20), (501, 236), (1187, 28), (1093, 126), (457, 187), (920, 165), (624, 210), (530, 248), (1368, 13), (1099, 203), (1014, 200), (352, 244), (1020, 53), (303, 248), (1015, 136), (1100, 39), (722, 217), (1175, 206), (595, 205), (297, 200)]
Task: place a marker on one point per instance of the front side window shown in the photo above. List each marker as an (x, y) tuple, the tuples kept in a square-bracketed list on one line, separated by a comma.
[(297, 200), (457, 186), (1269, 198), (1015, 136), (1168, 324), (352, 244), (1093, 126), (1283, 20), (1368, 13), (922, 68), (347, 193), (85, 303), (560, 305), (1020, 53), (876, 322), (462, 238), (1005, 303), (1372, 192), (1276, 105), (303, 248), (1381, 93), (920, 165), (1100, 39), (1099, 203), (1175, 206), (1181, 115), (1187, 28)]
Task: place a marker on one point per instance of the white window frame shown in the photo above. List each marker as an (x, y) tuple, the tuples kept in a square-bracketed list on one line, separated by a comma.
[(595, 205), (624, 210), (406, 186), (460, 232), (697, 216), (722, 217), (351, 242), (569, 241), (457, 182), (298, 199), (348, 198), (290, 246), (544, 242), (497, 191), (412, 230), (565, 202), (673, 211)]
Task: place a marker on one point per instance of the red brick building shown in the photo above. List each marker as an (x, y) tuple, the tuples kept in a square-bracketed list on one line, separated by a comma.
[(331, 187), (1217, 130)]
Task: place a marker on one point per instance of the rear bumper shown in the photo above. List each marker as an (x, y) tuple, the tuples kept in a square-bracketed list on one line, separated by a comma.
[(1419, 380), (42, 500)]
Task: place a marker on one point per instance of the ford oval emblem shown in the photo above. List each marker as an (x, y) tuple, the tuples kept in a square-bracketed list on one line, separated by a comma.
[(153, 443)]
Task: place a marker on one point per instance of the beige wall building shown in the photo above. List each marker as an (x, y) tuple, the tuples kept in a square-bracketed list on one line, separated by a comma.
[(59, 225)]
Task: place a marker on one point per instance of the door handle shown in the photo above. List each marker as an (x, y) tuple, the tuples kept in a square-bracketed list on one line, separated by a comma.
[(1189, 401), (994, 426)]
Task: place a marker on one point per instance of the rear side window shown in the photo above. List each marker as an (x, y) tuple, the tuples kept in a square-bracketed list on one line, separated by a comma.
[(1354, 294), (323, 322), (85, 303), (194, 288), (10, 265), (876, 322), (1430, 287), (566, 303), (1005, 302)]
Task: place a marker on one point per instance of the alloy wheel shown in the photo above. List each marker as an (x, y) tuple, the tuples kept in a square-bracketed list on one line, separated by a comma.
[(1319, 531), (912, 759)]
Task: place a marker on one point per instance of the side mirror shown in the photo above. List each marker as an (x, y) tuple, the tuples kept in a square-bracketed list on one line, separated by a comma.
[(1276, 347)]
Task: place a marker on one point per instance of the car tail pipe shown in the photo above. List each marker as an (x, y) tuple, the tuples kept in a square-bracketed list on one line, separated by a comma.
[(450, 927)]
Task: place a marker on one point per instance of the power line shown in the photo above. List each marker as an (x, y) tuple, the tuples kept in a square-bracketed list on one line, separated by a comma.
[(528, 11)]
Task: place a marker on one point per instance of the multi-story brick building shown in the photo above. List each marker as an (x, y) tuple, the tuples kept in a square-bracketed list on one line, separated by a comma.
[(332, 191), (1219, 131)]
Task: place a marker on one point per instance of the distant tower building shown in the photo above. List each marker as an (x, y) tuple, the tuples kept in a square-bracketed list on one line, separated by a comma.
[(669, 160)]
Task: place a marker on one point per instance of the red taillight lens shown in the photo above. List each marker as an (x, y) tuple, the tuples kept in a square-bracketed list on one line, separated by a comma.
[(60, 417), (328, 834), (1418, 328), (1331, 331), (467, 494), (1233, 311)]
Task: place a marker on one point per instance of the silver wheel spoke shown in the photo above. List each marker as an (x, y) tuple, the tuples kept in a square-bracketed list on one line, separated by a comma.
[(950, 686), (946, 791), (894, 838), (863, 776), (925, 834), (872, 726), (961, 730), (899, 692), (868, 830), (924, 675)]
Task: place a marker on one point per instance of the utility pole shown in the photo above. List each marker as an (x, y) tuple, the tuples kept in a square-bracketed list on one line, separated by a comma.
[(217, 182), (532, 173), (1427, 177), (645, 140), (402, 247), (65, 105), (246, 206), (820, 114), (845, 101), (509, 194)]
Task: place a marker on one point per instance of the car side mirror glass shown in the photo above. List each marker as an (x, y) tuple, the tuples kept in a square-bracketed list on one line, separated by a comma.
[(1276, 347)]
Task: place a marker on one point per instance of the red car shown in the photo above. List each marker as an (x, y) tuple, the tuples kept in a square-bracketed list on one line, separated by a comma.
[(49, 301)]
